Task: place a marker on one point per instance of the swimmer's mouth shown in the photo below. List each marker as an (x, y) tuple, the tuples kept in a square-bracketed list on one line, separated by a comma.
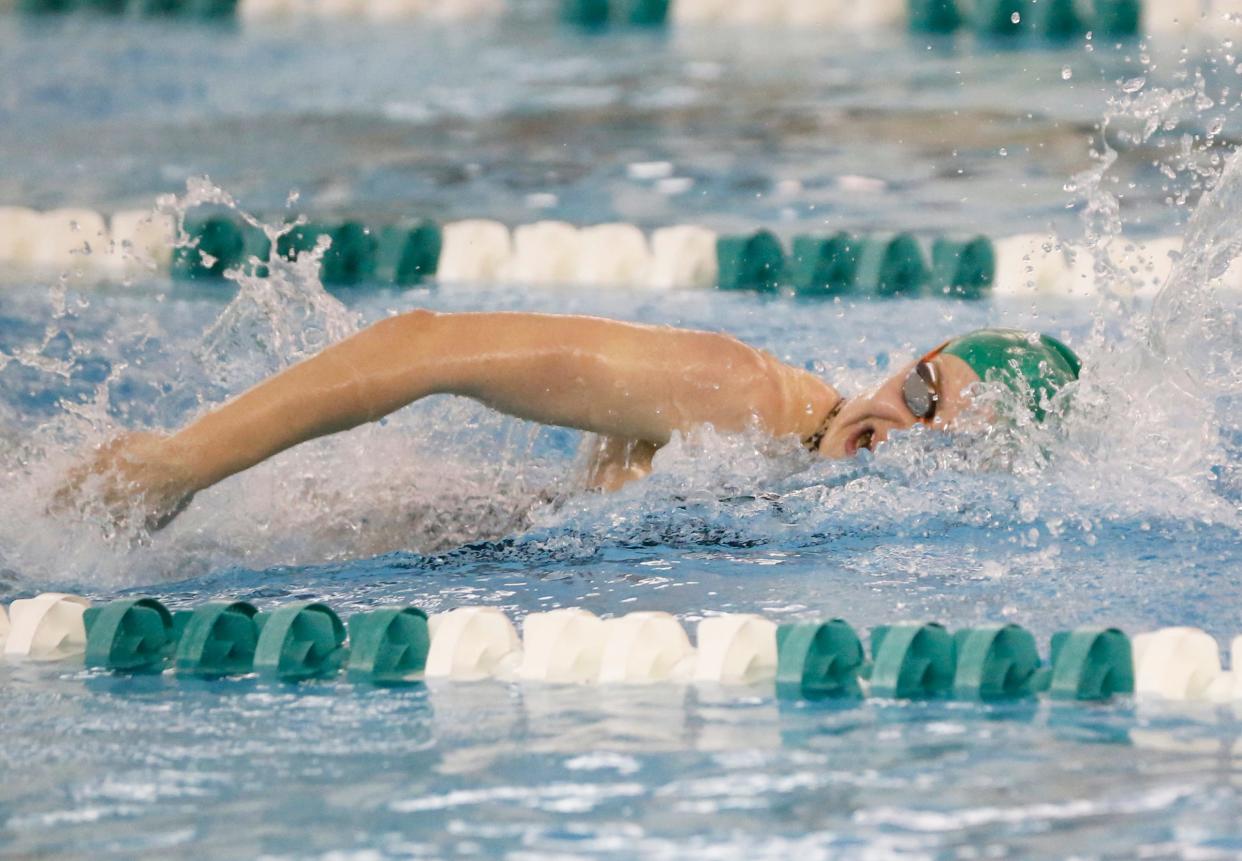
[(862, 438)]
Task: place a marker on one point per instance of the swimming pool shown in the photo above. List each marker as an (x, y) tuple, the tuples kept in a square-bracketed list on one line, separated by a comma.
[(1131, 520)]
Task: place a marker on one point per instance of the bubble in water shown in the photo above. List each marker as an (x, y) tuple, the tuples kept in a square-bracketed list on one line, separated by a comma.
[(1066, 73)]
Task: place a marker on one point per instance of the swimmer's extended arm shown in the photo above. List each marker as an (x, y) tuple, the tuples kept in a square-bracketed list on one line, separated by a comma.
[(620, 379), (636, 385)]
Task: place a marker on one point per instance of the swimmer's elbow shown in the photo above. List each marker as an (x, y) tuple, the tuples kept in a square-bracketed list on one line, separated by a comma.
[(379, 370), (406, 346), (406, 328)]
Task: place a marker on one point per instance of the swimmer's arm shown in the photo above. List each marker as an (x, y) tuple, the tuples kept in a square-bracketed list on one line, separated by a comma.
[(620, 379)]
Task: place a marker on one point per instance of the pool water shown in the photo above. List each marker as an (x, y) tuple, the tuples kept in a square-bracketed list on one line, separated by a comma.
[(1130, 514)]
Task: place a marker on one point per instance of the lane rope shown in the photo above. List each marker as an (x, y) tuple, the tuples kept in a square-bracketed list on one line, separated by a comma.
[(1051, 21), (409, 253), (802, 660)]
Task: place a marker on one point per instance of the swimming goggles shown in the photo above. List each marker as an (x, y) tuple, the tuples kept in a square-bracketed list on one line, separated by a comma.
[(921, 389)]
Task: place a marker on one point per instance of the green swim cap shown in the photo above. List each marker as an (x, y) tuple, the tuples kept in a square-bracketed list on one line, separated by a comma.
[(1033, 366)]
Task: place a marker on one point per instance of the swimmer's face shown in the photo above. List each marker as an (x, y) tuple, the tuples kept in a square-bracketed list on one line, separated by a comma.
[(867, 420)]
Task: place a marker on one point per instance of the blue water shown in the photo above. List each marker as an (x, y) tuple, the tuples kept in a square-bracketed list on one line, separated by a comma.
[(1128, 516)]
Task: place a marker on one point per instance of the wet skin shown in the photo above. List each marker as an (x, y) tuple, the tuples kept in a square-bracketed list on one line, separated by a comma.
[(867, 420)]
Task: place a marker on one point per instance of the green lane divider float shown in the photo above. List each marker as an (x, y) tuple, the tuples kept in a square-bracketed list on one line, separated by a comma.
[(1057, 19), (917, 661), (1117, 17), (890, 266), (1049, 19), (911, 662), (1090, 664), (895, 265), (755, 262), (388, 647), (408, 253), (402, 255), (818, 661), (294, 643), (934, 16), (1001, 17), (300, 641), (965, 268), (351, 255), (823, 265), (995, 662), (217, 639), (598, 14), (149, 8), (134, 636), (217, 244)]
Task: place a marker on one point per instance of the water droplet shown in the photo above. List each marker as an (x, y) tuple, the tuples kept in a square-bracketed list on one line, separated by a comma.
[(1066, 73), (1133, 85), (1016, 17)]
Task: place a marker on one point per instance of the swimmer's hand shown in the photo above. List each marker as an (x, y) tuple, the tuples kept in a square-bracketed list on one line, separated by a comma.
[(133, 480)]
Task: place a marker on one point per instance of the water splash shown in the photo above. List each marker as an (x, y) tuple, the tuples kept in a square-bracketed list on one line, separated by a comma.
[(373, 490), (278, 317), (1150, 432)]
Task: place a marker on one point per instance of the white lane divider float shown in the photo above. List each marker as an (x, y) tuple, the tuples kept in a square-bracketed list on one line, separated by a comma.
[(1224, 13), (1032, 265), (70, 239), (698, 11), (81, 240), (736, 649), (563, 646), (47, 627), (19, 228), (142, 242), (645, 647), (613, 255), (1228, 686), (474, 250), (683, 256), (428, 10), (1176, 663), (873, 14), (472, 643), (546, 252), (807, 13), (1166, 16), (840, 14), (462, 10)]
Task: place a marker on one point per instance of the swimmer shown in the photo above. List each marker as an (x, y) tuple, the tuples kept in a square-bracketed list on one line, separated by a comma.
[(632, 385)]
